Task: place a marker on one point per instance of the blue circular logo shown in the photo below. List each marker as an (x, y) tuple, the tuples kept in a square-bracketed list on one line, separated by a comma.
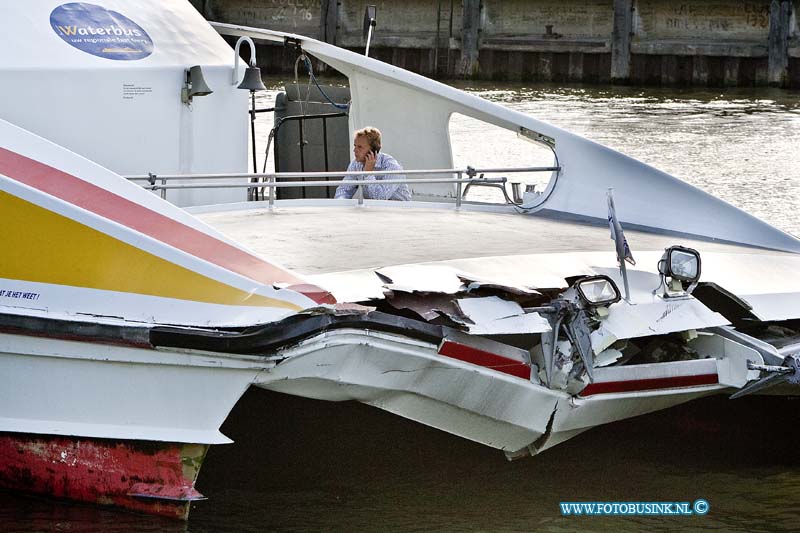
[(100, 32)]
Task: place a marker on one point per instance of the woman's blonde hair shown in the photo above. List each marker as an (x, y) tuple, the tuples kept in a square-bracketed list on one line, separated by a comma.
[(373, 136)]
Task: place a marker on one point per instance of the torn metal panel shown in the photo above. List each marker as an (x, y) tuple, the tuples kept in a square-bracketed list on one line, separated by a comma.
[(532, 270), (579, 332), (566, 373), (494, 316), (339, 309), (351, 285), (421, 278), (428, 306), (773, 297), (607, 357), (627, 321), (474, 282), (343, 309)]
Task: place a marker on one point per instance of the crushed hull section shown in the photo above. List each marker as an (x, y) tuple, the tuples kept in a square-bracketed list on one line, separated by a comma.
[(413, 380)]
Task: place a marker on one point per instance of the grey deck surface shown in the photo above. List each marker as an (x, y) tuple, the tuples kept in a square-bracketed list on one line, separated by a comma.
[(317, 240)]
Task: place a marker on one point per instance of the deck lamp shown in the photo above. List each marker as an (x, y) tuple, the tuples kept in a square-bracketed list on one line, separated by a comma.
[(680, 263), (194, 84), (597, 290)]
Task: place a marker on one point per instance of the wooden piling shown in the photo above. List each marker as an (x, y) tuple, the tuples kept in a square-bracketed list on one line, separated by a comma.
[(575, 67), (470, 35), (778, 61), (328, 20), (621, 41), (700, 71)]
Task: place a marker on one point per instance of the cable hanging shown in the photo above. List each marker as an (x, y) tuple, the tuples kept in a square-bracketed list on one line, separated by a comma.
[(314, 79)]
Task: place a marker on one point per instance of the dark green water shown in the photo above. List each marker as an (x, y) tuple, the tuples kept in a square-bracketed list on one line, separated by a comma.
[(738, 144), (305, 465)]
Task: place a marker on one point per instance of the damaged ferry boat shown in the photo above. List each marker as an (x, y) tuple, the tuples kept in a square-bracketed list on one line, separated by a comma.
[(134, 313)]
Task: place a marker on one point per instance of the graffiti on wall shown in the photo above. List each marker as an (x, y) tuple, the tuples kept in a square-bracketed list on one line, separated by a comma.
[(291, 15), (696, 19), (571, 18)]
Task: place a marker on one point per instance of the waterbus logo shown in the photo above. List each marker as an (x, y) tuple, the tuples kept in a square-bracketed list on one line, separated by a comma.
[(100, 31)]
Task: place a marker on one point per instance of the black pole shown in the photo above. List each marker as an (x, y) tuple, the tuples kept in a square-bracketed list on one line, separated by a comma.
[(302, 151), (325, 149), (253, 193)]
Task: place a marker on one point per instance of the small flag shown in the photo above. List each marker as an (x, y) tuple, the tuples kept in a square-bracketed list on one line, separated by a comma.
[(617, 235)]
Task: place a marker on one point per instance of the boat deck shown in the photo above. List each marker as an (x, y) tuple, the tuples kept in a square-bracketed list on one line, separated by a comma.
[(325, 239)]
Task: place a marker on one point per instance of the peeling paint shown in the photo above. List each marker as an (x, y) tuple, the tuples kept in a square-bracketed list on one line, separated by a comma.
[(104, 472)]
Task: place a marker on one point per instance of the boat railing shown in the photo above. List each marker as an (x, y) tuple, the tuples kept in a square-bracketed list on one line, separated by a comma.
[(271, 181)]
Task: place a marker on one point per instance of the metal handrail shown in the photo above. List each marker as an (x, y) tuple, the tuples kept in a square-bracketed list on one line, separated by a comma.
[(280, 175), (270, 184), (270, 180)]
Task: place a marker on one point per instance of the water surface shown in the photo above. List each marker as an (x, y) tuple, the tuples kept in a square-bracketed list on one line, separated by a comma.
[(738, 144)]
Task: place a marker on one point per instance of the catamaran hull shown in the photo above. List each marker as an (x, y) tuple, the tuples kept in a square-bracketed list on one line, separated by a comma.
[(112, 424), (145, 476), (163, 400)]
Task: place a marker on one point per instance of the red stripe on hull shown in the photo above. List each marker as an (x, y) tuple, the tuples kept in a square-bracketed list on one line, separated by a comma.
[(114, 207), (649, 384), (487, 359), (150, 477)]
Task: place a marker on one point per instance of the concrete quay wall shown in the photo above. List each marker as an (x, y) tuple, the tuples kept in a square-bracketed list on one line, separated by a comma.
[(668, 42)]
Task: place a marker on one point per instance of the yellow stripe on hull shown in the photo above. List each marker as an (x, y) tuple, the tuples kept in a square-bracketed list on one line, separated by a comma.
[(45, 247)]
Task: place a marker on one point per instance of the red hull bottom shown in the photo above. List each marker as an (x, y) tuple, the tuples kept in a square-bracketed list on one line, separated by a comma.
[(145, 476)]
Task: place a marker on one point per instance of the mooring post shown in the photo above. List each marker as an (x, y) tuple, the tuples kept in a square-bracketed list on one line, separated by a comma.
[(621, 41), (470, 29), (700, 72), (575, 66), (328, 21), (778, 68)]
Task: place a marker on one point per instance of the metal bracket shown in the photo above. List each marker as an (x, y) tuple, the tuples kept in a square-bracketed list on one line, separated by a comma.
[(471, 172), (578, 328), (293, 42), (789, 373)]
